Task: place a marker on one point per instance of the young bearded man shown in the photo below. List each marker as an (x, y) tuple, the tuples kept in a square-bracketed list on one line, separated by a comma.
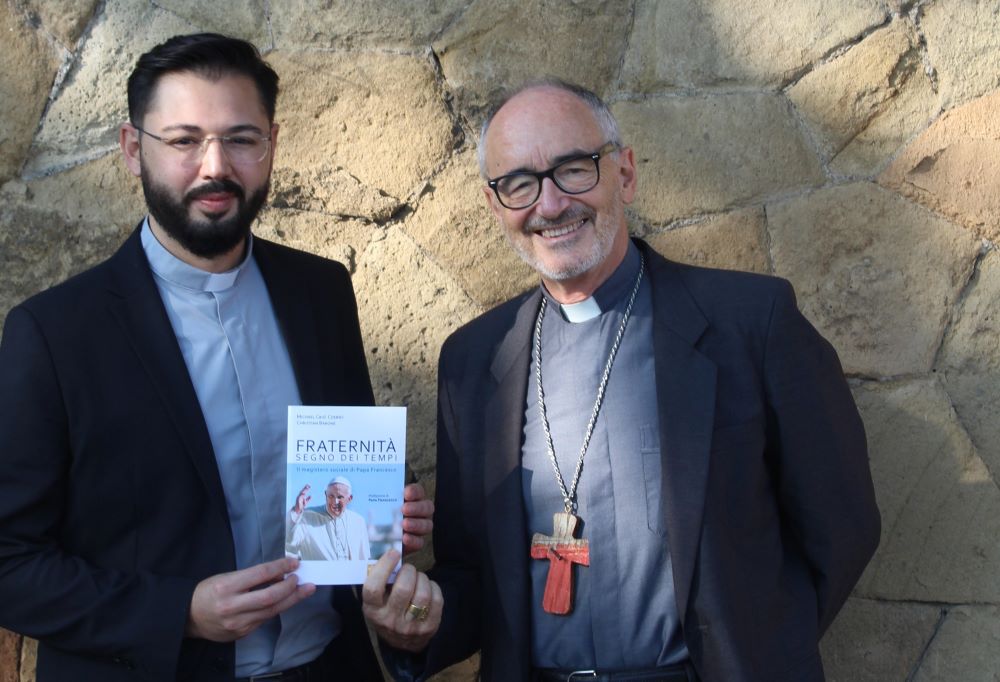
[(143, 412)]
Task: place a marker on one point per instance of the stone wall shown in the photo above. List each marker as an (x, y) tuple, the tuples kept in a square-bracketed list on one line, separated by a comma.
[(851, 147)]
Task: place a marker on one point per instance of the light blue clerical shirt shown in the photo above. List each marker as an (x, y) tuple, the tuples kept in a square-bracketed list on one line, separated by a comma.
[(243, 376)]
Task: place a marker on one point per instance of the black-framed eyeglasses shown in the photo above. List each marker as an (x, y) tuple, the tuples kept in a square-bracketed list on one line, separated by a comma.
[(245, 149), (576, 175)]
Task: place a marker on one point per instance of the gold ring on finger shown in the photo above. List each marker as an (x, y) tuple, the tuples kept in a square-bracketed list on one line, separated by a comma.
[(418, 612)]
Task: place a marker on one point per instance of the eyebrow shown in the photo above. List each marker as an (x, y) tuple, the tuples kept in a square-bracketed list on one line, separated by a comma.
[(188, 128), (562, 158)]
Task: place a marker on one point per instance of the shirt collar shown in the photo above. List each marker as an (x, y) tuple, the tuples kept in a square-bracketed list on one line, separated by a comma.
[(172, 269), (613, 290)]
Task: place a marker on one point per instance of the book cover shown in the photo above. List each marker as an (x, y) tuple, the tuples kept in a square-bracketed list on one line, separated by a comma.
[(344, 489)]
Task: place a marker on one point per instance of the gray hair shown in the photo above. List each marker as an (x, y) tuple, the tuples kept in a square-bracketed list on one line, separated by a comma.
[(602, 114)]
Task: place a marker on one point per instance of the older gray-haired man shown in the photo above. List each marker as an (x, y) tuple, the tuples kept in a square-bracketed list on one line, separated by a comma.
[(646, 470)]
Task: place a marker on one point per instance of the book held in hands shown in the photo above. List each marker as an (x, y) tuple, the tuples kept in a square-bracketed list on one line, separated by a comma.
[(344, 489)]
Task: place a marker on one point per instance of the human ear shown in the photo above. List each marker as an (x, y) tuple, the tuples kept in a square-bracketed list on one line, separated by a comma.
[(128, 140)]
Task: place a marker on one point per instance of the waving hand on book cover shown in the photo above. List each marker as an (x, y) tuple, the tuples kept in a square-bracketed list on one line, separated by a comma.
[(331, 534)]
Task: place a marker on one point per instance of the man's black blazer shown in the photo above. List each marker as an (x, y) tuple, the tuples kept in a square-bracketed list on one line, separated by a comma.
[(111, 505), (769, 504)]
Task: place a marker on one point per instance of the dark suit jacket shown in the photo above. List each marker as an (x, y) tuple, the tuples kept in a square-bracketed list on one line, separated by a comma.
[(770, 509), (111, 505)]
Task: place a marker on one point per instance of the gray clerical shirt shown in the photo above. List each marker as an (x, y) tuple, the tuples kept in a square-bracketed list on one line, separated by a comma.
[(624, 612)]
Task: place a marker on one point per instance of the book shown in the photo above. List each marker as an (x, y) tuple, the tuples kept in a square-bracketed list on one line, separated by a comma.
[(344, 490)]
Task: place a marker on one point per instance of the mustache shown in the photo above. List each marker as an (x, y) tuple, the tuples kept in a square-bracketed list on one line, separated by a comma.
[(215, 187), (571, 215)]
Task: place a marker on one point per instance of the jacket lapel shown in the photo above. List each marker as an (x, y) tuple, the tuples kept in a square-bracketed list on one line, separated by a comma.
[(138, 307), (506, 525), (294, 313), (685, 389)]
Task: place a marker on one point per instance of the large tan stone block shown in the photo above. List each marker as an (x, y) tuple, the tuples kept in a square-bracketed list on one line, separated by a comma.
[(971, 345), (965, 647), (940, 506), (963, 44), (101, 191), (29, 68), (685, 43), (408, 306), (912, 108), (82, 121), (348, 24), (10, 655), (876, 641), (453, 225), (245, 19), (27, 260), (379, 117), (494, 45), (839, 98), (708, 154), (969, 360), (38, 249), (334, 237), (733, 241), (954, 167), (975, 396), (875, 273), (64, 19), (54, 227), (877, 87), (29, 659), (331, 191)]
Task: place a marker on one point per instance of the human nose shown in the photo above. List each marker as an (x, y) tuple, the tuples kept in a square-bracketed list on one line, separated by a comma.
[(214, 161), (551, 200)]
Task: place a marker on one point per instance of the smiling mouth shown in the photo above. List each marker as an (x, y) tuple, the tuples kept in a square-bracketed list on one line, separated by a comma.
[(553, 232)]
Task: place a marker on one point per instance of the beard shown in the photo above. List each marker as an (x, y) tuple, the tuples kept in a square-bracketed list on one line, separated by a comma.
[(602, 244), (211, 237)]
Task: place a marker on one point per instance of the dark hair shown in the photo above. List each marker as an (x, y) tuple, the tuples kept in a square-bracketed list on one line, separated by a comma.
[(206, 54), (602, 113)]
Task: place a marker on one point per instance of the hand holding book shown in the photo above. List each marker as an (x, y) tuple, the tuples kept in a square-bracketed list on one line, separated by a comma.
[(406, 614), (417, 513)]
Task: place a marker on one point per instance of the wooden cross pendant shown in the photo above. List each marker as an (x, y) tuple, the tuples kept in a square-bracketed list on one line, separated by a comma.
[(562, 550)]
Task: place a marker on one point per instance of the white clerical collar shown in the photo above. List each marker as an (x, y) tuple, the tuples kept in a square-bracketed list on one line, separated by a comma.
[(581, 311), (173, 269), (612, 292)]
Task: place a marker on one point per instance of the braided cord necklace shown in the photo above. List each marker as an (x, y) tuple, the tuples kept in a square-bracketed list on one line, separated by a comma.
[(569, 494), (562, 549)]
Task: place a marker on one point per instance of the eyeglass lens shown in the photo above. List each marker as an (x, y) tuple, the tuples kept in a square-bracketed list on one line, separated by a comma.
[(245, 149), (573, 177), (240, 149)]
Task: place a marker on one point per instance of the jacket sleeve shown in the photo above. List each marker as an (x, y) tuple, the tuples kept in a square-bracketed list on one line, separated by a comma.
[(820, 456), (456, 538), (136, 619)]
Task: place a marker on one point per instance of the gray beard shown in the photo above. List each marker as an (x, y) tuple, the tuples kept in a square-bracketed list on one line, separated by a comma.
[(602, 246)]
